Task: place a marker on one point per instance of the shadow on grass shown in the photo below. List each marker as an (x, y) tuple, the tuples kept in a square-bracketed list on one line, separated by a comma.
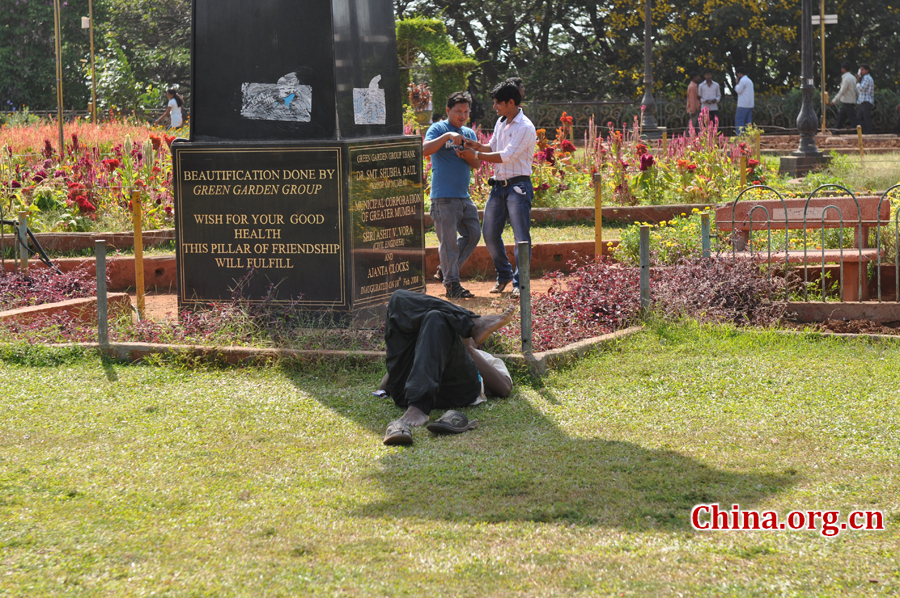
[(520, 466)]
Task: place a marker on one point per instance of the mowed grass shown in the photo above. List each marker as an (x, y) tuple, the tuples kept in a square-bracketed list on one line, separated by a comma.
[(172, 480), (550, 233)]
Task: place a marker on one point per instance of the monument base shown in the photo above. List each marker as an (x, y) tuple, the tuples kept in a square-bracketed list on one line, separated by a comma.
[(798, 165), (327, 226)]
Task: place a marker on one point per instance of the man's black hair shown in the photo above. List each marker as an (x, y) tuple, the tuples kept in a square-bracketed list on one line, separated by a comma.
[(740, 71), (459, 97), (708, 71), (846, 66), (865, 66), (506, 91), (693, 74)]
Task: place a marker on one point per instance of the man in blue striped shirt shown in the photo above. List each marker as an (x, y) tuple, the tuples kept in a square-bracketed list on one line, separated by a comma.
[(866, 100)]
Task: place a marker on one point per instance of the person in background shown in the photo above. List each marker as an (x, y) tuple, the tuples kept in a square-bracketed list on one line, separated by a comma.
[(743, 116), (693, 98), (451, 207), (710, 95), (846, 96), (866, 99), (512, 152), (173, 109)]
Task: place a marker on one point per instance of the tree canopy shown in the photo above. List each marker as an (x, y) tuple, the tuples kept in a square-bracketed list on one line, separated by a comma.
[(563, 49)]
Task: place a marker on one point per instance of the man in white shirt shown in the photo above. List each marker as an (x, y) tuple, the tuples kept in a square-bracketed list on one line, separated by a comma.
[(710, 95), (512, 152), (743, 116), (846, 96)]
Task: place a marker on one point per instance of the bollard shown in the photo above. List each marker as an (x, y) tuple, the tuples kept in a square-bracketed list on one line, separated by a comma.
[(743, 167), (138, 252), (102, 305), (704, 233), (645, 268), (22, 241), (860, 140), (598, 215), (523, 263), (665, 143), (758, 147)]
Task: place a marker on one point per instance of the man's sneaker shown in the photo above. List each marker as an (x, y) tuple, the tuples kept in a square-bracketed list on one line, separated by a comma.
[(439, 275), (456, 291), (516, 293)]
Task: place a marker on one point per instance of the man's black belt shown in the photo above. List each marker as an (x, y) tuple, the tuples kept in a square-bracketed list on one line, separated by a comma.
[(510, 181)]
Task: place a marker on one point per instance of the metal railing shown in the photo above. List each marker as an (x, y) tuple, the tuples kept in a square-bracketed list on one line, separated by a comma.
[(861, 256)]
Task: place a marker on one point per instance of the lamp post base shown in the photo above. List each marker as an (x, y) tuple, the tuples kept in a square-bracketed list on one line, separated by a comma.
[(799, 164), (652, 132)]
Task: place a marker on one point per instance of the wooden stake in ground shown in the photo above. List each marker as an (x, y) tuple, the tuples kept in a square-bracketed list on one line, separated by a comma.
[(598, 214), (138, 252)]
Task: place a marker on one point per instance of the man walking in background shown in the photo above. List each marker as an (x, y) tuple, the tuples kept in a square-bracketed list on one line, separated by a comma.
[(693, 98), (512, 152), (847, 98), (744, 90), (451, 207), (866, 99), (710, 94)]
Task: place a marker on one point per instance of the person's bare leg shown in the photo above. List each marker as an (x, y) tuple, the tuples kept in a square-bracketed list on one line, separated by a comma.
[(414, 417), (484, 326)]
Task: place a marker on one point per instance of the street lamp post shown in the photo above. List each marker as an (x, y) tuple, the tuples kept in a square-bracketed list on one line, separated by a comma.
[(807, 121), (807, 157), (649, 126)]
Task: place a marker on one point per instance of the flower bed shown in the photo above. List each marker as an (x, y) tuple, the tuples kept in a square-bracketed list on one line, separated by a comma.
[(88, 187)]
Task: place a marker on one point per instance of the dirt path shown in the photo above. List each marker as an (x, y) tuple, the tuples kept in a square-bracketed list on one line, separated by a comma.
[(165, 306)]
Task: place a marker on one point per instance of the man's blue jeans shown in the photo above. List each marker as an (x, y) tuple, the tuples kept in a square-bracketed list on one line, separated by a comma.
[(513, 203), (742, 118)]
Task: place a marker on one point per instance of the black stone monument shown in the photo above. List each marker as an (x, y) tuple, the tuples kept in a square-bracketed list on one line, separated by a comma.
[(297, 170)]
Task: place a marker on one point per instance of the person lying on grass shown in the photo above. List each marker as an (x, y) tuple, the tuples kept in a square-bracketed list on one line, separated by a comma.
[(433, 363)]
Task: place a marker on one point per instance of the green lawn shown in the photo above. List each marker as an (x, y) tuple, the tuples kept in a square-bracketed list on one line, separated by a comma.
[(550, 233), (173, 480)]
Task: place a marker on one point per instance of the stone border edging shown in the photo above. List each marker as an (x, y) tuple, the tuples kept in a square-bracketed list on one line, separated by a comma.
[(819, 311), (540, 364), (81, 241), (543, 362), (652, 214), (83, 310)]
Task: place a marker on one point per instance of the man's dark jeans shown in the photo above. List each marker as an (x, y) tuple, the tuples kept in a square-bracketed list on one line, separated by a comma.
[(847, 115), (428, 364), (864, 114)]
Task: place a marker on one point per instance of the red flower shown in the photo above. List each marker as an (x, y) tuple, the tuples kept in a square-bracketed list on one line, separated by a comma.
[(567, 146), (641, 149), (156, 141), (752, 163), (111, 164), (692, 167), (84, 204), (757, 183), (169, 139), (48, 149), (566, 120), (647, 160), (546, 155)]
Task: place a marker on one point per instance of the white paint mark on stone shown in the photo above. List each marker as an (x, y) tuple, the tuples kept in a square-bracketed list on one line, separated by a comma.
[(286, 100), (369, 104)]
